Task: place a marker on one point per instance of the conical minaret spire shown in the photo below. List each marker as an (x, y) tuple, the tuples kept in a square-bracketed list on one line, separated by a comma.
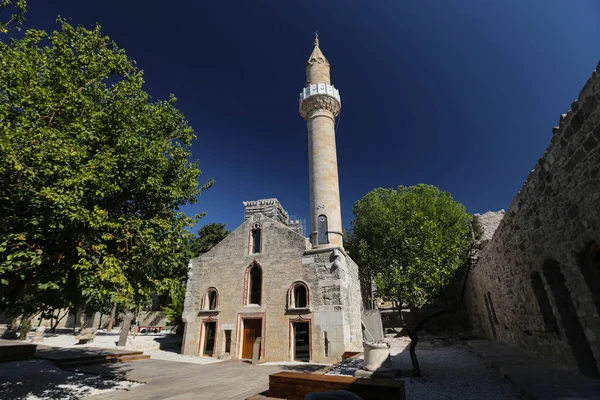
[(317, 67), (319, 105)]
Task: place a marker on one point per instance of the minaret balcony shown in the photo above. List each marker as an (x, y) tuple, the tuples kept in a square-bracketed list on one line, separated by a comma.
[(314, 89)]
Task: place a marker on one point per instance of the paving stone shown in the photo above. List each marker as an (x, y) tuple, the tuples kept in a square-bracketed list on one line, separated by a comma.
[(535, 379)]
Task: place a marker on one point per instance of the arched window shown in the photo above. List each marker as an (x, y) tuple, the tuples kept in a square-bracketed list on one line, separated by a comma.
[(254, 297), (322, 237), (589, 267), (541, 296), (298, 295), (211, 299), (256, 239)]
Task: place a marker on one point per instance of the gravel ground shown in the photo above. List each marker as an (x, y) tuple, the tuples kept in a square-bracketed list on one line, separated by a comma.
[(41, 379), (448, 371)]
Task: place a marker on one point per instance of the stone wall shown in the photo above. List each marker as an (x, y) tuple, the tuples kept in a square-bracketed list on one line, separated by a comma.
[(332, 311), (96, 320), (536, 283), (271, 208)]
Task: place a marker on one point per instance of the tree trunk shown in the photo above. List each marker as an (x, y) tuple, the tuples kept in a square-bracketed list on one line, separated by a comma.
[(399, 307), (57, 319), (414, 339), (111, 319), (24, 327), (100, 321), (53, 325)]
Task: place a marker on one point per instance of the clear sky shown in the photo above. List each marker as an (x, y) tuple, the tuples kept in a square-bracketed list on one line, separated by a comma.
[(457, 94)]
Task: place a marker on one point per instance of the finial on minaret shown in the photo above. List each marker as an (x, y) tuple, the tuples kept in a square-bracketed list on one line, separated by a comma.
[(317, 68)]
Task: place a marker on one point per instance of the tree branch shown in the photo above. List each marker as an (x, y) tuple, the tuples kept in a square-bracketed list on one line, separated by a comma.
[(65, 96)]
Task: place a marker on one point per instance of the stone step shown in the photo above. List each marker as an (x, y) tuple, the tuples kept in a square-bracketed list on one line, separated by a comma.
[(112, 358), (11, 350)]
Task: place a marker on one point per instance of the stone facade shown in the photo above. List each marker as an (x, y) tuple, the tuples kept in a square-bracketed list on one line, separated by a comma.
[(536, 283), (307, 305), (285, 258)]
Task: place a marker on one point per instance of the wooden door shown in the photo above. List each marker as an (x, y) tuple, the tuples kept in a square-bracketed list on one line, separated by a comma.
[(209, 338), (252, 330), (301, 342)]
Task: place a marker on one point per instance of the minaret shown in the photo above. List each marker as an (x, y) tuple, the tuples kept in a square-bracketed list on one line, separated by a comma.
[(319, 105)]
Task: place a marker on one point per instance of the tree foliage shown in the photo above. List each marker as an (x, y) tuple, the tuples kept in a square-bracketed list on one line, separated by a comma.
[(411, 241), (92, 175), (16, 19), (208, 237)]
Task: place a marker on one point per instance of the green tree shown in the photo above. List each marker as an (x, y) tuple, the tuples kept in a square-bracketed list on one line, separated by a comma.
[(93, 173), (208, 237), (411, 241), (16, 19)]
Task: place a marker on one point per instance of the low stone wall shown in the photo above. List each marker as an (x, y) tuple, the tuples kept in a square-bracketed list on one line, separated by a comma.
[(536, 283), (144, 318)]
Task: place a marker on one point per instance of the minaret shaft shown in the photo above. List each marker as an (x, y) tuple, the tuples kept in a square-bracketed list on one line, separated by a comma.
[(319, 105), (323, 175)]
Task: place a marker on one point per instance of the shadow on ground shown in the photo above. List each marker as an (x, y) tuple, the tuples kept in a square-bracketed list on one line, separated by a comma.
[(42, 379)]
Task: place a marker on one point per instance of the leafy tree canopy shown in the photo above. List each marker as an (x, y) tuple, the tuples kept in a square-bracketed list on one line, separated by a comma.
[(208, 237), (92, 175), (16, 18), (410, 240)]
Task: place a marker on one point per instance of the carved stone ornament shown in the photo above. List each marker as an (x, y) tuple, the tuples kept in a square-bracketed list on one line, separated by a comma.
[(318, 60), (317, 103)]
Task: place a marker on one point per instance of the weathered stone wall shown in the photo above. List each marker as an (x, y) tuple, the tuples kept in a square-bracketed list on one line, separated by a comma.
[(284, 260), (70, 321), (537, 281), (353, 303), (271, 208)]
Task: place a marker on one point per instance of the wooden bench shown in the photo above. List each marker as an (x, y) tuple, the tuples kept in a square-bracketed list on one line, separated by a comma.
[(86, 335), (295, 386)]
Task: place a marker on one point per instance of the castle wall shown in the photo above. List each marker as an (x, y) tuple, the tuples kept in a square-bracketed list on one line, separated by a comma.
[(537, 281)]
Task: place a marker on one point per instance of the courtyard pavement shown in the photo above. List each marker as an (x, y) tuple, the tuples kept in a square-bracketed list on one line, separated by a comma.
[(449, 370), (173, 380), (535, 379)]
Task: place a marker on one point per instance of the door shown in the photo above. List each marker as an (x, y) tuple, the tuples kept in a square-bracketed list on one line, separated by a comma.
[(301, 342), (209, 338), (252, 330)]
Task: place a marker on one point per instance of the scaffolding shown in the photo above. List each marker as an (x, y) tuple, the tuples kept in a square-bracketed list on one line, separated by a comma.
[(297, 225)]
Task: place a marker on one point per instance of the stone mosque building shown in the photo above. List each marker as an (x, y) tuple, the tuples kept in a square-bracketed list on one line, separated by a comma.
[(265, 280)]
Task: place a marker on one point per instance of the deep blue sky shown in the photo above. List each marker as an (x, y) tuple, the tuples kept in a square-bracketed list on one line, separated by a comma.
[(458, 94)]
